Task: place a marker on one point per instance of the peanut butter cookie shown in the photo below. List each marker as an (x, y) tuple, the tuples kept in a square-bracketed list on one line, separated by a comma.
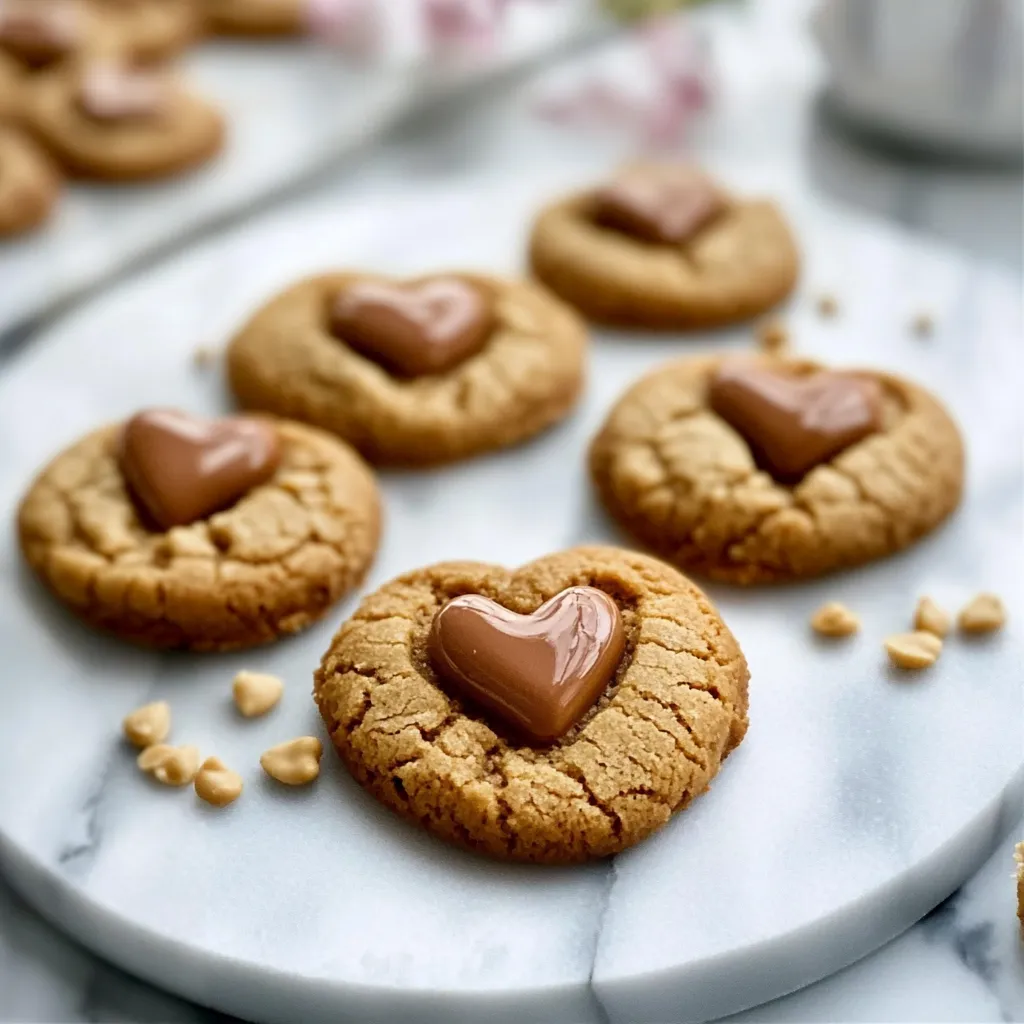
[(416, 372), (554, 713), (255, 17), (149, 29), (42, 32), (29, 183), (11, 89), (662, 246), (764, 470), (114, 121), (172, 531)]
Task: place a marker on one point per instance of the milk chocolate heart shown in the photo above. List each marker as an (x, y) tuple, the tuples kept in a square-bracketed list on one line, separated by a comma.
[(181, 468), (40, 31), (660, 203), (538, 672), (119, 92), (795, 423), (414, 329)]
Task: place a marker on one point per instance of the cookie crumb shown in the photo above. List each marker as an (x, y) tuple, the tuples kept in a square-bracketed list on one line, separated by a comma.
[(834, 619), (148, 725), (217, 784), (930, 618), (982, 614), (205, 356), (172, 766), (827, 305), (772, 336), (923, 325), (255, 693), (913, 650)]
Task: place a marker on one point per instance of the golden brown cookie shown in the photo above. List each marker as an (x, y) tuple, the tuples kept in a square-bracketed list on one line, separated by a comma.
[(11, 89), (149, 29), (92, 140), (688, 483), (255, 17), (656, 736), (528, 374), (734, 264), (29, 183), (268, 565)]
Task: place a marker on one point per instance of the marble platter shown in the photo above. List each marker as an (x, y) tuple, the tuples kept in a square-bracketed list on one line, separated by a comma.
[(858, 801)]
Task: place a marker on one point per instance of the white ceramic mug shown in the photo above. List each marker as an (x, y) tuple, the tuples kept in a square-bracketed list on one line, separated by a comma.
[(944, 74)]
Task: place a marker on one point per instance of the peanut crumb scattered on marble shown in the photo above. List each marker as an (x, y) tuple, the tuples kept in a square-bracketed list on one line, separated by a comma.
[(205, 356), (923, 325), (295, 762), (216, 783), (930, 618), (984, 613), (772, 336), (834, 619), (172, 766), (255, 693), (828, 305), (913, 650)]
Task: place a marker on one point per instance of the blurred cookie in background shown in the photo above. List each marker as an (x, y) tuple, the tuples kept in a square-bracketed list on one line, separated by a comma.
[(29, 183), (112, 120)]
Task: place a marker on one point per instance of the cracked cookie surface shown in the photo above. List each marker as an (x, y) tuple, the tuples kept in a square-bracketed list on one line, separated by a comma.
[(675, 708), (526, 377), (681, 479), (270, 565), (742, 263)]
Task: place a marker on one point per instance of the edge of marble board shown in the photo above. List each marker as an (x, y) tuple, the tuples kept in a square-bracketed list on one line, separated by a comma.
[(699, 992)]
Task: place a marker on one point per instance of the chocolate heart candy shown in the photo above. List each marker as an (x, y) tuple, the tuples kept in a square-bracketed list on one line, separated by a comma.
[(414, 329), (40, 31), (663, 203), (118, 92), (538, 672), (182, 468), (794, 423)]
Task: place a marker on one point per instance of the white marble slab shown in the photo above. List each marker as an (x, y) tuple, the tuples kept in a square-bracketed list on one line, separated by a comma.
[(857, 802)]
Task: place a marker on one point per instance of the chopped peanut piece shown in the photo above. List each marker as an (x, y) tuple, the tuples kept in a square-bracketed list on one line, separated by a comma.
[(834, 619), (930, 618), (148, 725), (217, 784), (294, 763), (256, 693), (983, 614), (172, 766), (913, 650)]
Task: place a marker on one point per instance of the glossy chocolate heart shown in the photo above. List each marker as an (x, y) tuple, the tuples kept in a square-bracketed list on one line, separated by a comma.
[(539, 673), (794, 423), (414, 329), (181, 468), (662, 203), (120, 92), (40, 31)]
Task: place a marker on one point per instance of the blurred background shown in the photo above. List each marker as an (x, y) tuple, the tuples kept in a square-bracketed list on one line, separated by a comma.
[(903, 111)]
